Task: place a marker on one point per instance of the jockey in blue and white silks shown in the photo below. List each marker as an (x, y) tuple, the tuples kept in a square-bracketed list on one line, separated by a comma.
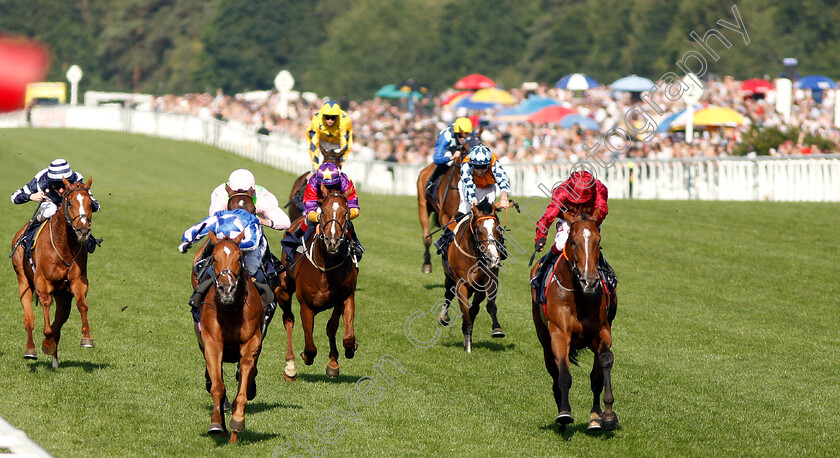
[(231, 223)]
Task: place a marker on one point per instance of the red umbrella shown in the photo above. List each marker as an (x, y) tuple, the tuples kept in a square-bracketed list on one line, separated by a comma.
[(455, 97), (475, 81), (757, 86), (549, 114)]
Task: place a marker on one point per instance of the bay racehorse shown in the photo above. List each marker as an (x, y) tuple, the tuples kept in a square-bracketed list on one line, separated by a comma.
[(578, 314), (58, 269), (471, 267), (295, 204), (323, 277), (447, 197), (231, 332)]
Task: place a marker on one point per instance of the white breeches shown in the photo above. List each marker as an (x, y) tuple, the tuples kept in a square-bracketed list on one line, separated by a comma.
[(488, 193), (563, 228), (46, 210)]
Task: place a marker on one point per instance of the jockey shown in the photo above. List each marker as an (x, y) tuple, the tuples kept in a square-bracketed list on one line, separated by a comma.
[(47, 188), (333, 180), (476, 185), (331, 128), (580, 193), (448, 146), (269, 212), (230, 223)]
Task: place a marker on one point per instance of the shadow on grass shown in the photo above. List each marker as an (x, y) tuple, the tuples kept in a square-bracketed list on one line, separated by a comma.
[(255, 407), (483, 344), (46, 363), (245, 437), (342, 378), (577, 428), (436, 286)]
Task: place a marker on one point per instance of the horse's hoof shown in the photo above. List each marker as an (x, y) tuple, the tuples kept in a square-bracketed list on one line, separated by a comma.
[(306, 360), (610, 422), (47, 350), (30, 353), (444, 320), (216, 429), (289, 378), (54, 361), (564, 418), (237, 426), (332, 373), (349, 352), (427, 268), (87, 342), (594, 425), (497, 332)]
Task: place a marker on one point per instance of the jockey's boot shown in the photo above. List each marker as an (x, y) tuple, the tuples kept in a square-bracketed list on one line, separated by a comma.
[(358, 249), (268, 299), (447, 235), (197, 295), (439, 170), (27, 235), (608, 271)]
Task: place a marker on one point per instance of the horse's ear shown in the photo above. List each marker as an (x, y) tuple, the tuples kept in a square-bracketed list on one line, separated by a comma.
[(480, 131), (323, 150), (229, 191), (239, 238), (571, 217), (596, 215), (324, 192), (89, 182), (213, 239), (66, 183)]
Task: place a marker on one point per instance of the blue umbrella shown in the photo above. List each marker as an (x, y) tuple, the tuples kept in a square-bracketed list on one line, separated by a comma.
[(576, 82), (665, 123), (468, 103), (584, 122), (534, 103), (815, 83), (632, 83)]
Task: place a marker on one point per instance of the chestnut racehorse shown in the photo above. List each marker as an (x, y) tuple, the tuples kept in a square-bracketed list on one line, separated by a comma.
[(324, 277), (578, 314), (60, 271), (473, 260), (231, 322), (447, 197), (295, 204)]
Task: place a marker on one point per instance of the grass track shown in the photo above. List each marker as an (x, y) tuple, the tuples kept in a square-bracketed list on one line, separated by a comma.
[(726, 337)]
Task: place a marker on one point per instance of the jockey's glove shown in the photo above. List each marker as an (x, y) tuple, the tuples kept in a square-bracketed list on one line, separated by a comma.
[(539, 244), (183, 247), (354, 212)]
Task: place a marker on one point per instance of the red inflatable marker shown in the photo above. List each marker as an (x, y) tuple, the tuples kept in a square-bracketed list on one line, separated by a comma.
[(22, 61)]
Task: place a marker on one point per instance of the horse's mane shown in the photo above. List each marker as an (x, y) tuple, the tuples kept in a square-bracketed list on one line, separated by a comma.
[(485, 207)]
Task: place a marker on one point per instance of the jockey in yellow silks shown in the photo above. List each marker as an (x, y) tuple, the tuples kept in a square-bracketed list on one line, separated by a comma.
[(331, 128)]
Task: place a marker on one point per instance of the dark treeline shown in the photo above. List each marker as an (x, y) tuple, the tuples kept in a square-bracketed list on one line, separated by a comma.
[(341, 48)]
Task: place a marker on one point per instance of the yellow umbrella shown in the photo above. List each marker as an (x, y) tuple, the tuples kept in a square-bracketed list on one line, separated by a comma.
[(493, 95), (718, 116)]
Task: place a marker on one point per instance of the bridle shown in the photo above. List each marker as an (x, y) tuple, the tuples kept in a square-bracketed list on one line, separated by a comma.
[(342, 227), (240, 194), (227, 273), (572, 260), (65, 205)]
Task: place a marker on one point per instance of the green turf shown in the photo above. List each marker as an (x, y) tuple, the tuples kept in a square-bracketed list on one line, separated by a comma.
[(725, 341)]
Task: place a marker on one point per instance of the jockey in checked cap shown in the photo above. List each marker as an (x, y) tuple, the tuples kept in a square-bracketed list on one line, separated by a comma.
[(481, 176), (47, 188), (448, 146)]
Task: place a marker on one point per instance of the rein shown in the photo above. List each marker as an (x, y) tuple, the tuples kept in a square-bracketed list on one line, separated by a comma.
[(64, 206)]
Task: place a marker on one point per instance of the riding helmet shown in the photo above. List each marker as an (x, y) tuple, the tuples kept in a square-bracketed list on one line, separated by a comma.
[(329, 174), (580, 187), (331, 108), (241, 180), (463, 125), (480, 155)]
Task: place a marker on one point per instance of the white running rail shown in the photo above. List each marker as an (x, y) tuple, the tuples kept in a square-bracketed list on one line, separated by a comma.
[(803, 178)]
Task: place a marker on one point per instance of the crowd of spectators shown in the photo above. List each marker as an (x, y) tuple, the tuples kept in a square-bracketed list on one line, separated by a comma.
[(388, 129)]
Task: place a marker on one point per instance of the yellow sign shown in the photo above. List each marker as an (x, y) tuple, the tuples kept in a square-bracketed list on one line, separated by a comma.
[(46, 93)]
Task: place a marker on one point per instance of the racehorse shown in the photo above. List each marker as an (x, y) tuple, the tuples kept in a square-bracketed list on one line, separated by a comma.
[(578, 314), (445, 206), (471, 266), (295, 204), (324, 277), (231, 322), (59, 271)]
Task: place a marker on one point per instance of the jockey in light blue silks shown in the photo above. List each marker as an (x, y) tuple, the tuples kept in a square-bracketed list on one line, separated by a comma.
[(230, 223)]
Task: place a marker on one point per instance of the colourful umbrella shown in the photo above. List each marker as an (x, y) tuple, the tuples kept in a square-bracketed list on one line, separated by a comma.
[(757, 86), (535, 103), (549, 114), (475, 81), (584, 122), (815, 83), (576, 82), (470, 104), (711, 116), (493, 95), (455, 97), (632, 83), (390, 91)]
